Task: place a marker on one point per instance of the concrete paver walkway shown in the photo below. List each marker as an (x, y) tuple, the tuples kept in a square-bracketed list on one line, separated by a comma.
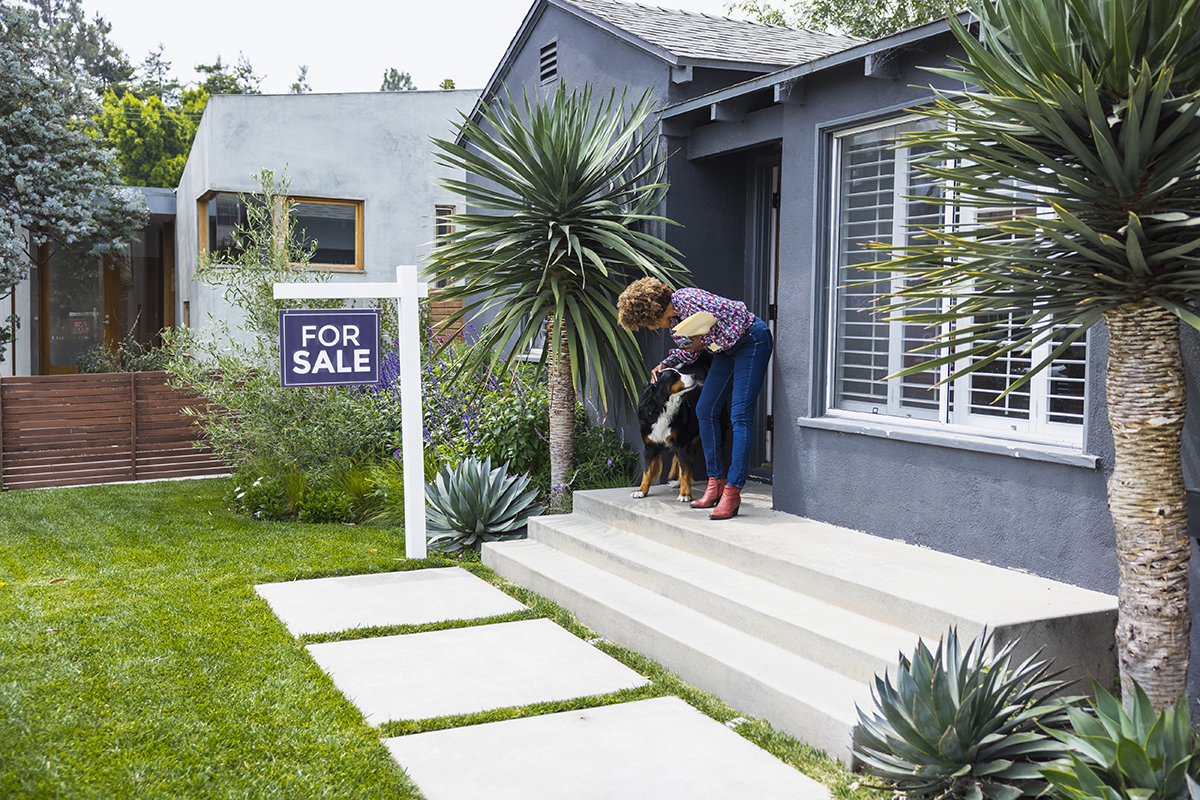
[(464, 670), (660, 748), (416, 597)]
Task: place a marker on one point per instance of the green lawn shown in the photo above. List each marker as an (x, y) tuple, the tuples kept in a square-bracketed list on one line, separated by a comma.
[(137, 662)]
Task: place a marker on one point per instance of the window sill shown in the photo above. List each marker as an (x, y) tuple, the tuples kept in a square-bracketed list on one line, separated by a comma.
[(898, 431), (350, 268)]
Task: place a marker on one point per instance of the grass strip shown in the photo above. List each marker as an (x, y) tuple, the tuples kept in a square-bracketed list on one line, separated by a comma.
[(400, 630), (407, 727)]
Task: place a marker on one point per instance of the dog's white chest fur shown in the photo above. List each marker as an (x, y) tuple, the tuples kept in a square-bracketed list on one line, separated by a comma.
[(662, 425)]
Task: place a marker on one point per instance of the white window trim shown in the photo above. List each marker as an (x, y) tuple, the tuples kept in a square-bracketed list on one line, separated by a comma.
[(952, 427)]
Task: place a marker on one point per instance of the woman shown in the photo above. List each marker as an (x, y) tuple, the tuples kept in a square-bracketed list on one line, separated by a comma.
[(741, 344)]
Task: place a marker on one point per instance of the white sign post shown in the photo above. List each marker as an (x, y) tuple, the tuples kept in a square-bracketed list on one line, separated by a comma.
[(406, 291)]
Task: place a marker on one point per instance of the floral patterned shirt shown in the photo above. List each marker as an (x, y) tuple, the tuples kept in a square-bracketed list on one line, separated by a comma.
[(733, 320)]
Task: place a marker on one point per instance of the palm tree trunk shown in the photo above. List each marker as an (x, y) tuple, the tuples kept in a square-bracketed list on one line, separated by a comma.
[(1147, 400), (562, 420)]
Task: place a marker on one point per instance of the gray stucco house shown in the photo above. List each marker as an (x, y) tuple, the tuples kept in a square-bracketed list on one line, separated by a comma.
[(778, 176), (361, 172)]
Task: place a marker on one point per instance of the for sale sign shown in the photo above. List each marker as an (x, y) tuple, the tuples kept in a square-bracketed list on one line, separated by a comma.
[(322, 347)]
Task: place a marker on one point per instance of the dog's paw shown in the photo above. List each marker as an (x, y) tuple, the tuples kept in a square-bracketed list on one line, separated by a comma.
[(685, 498), (673, 484), (638, 493)]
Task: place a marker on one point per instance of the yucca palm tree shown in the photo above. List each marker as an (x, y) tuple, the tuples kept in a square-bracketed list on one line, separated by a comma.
[(1088, 109), (566, 189)]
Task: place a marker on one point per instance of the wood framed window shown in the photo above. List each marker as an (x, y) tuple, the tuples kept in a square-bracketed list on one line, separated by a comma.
[(334, 228), (439, 309)]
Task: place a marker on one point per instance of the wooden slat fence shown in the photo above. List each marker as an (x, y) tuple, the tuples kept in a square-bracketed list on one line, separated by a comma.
[(72, 430)]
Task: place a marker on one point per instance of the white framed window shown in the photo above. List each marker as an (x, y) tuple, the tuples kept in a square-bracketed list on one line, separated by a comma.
[(880, 196)]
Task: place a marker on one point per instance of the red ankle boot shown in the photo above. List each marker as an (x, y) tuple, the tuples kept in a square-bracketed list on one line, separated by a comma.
[(731, 499), (712, 495)]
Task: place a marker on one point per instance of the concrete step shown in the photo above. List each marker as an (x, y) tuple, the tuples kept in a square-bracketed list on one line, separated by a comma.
[(905, 586), (783, 617), (806, 699), (853, 645)]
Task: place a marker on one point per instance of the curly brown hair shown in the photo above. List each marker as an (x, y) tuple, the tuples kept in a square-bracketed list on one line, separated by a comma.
[(643, 303)]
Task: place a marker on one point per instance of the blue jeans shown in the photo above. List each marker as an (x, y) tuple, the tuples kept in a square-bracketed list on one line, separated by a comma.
[(736, 375)]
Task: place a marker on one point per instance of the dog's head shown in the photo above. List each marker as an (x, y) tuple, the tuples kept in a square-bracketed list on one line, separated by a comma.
[(670, 382)]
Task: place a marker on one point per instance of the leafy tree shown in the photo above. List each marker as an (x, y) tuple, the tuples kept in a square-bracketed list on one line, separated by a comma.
[(567, 186), (1088, 109), (57, 183), (869, 19), (80, 46), (152, 139), (396, 81), (222, 78), (448, 83), (300, 85)]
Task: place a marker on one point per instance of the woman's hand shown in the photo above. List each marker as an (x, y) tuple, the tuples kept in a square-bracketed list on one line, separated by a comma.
[(655, 372), (695, 345)]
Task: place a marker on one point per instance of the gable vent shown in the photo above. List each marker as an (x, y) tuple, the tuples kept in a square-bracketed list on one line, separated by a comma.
[(548, 62)]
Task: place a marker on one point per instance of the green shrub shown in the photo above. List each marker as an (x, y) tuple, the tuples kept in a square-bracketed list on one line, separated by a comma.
[(501, 416), (269, 489), (602, 458), (1142, 755), (306, 430), (387, 488), (261, 497), (475, 503), (960, 724), (326, 505), (128, 356)]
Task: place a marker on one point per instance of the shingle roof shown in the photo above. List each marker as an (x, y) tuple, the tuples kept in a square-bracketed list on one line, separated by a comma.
[(692, 35)]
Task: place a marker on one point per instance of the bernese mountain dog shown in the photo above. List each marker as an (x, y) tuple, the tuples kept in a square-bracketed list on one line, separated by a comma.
[(669, 426)]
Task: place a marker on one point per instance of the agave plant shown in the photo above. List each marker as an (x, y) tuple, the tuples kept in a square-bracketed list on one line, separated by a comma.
[(474, 503), (1114, 755), (961, 724)]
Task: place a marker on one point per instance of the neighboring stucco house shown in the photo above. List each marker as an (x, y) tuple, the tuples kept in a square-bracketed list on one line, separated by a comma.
[(778, 180), (70, 304), (361, 167), (361, 171)]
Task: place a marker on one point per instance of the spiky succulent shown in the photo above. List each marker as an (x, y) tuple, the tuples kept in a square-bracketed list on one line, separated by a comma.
[(475, 503), (1115, 755), (961, 724)]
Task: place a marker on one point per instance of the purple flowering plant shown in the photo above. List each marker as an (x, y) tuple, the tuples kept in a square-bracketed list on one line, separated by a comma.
[(502, 415)]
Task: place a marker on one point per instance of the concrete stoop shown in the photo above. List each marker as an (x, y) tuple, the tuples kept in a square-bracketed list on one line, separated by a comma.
[(782, 617)]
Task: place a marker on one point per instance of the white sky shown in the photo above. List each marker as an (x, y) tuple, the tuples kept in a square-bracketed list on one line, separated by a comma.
[(347, 46)]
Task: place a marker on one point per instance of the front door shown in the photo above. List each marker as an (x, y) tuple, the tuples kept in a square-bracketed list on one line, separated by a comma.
[(763, 295)]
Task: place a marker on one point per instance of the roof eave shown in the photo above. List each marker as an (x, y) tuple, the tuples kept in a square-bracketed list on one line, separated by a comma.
[(784, 79)]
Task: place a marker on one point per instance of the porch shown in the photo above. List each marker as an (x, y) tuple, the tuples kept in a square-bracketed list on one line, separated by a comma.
[(786, 618)]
